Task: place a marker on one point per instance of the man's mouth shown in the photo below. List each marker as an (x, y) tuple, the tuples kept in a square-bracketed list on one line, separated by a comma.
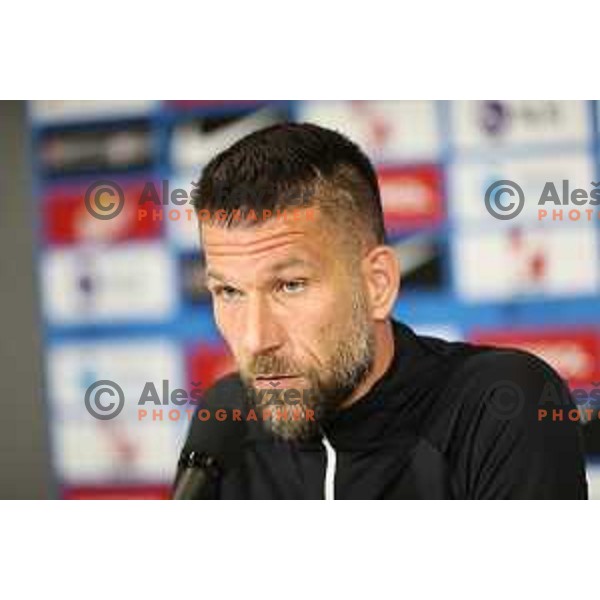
[(275, 380)]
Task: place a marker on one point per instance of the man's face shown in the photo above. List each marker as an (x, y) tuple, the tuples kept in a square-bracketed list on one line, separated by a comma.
[(290, 301)]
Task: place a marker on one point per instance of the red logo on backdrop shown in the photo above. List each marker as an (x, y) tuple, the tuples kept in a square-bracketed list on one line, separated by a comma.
[(67, 221), (574, 354), (530, 257), (208, 362), (102, 492), (412, 196)]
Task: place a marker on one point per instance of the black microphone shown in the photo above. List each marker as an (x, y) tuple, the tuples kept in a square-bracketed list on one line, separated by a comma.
[(212, 448)]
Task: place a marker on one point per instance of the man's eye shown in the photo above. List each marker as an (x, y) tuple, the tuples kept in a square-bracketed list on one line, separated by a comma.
[(293, 286), (227, 293)]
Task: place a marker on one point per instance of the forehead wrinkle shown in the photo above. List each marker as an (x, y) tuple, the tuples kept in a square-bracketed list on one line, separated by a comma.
[(253, 247)]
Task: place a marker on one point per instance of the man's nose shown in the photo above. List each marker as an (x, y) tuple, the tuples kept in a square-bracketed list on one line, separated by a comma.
[(262, 332)]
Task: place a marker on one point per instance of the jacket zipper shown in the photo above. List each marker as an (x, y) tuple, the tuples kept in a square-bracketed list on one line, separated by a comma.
[(329, 491)]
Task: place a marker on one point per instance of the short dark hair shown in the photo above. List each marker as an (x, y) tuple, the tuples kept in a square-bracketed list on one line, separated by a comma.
[(272, 168)]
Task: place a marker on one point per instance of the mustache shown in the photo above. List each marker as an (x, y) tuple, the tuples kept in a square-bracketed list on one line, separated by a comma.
[(270, 364)]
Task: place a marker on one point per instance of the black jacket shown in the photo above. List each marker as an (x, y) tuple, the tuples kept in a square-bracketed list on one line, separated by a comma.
[(447, 420)]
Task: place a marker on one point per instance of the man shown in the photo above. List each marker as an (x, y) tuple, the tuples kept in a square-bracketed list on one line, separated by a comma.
[(304, 298)]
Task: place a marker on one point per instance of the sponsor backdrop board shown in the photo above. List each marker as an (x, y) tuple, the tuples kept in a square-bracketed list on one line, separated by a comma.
[(123, 299)]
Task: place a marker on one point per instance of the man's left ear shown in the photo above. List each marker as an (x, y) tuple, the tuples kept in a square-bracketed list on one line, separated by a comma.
[(381, 270)]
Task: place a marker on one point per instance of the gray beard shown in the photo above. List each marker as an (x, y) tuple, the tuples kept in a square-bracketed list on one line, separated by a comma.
[(352, 363)]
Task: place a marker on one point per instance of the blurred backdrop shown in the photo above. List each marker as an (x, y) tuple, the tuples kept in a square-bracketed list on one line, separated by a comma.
[(121, 299)]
